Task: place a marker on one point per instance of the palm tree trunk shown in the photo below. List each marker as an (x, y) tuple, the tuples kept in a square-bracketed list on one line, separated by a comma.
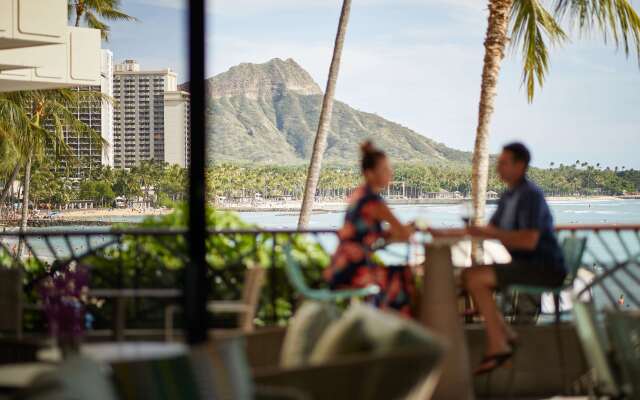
[(495, 43), (9, 184), (25, 201), (79, 11), (320, 143)]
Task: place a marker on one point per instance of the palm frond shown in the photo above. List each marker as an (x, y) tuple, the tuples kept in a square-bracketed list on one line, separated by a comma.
[(613, 18), (93, 22), (96, 13), (532, 28)]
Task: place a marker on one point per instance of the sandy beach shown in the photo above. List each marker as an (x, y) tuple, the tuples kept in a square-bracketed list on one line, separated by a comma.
[(283, 206), (108, 212)]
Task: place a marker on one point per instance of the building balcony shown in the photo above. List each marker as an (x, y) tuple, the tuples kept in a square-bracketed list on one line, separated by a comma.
[(28, 23), (75, 62)]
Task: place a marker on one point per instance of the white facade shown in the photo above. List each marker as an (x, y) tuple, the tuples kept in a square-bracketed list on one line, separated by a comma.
[(39, 51), (106, 87), (27, 23), (150, 116), (176, 128)]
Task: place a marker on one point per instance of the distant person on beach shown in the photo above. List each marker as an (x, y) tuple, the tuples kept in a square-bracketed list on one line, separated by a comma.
[(524, 225), (353, 265)]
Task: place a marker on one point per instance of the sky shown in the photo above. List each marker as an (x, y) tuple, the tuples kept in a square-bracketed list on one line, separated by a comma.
[(417, 63)]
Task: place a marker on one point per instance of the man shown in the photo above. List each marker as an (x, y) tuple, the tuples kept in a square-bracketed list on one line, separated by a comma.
[(524, 225)]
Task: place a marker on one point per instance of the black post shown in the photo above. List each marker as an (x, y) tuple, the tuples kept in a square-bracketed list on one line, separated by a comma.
[(195, 291)]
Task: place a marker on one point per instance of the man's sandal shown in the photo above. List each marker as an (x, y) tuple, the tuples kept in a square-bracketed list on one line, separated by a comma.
[(494, 362)]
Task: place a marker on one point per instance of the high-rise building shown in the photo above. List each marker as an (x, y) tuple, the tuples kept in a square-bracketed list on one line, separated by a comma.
[(92, 152), (177, 128), (151, 118)]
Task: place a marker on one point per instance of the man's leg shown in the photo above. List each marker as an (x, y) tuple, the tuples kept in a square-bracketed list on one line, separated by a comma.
[(481, 282)]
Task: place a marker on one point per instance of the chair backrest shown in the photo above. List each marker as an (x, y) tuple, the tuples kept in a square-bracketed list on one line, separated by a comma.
[(294, 273), (253, 281), (595, 347), (11, 300), (623, 329), (573, 249), (297, 280), (228, 369)]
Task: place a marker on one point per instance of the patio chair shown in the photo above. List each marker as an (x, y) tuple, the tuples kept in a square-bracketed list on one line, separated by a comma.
[(362, 376), (623, 330), (368, 354), (245, 308), (596, 350), (11, 301), (573, 248), (297, 280)]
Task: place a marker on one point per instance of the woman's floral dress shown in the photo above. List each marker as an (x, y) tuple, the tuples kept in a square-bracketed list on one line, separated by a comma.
[(353, 264)]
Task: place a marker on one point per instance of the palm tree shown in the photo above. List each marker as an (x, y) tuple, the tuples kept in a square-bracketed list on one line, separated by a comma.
[(42, 116), (10, 165), (12, 121), (532, 27), (320, 143), (94, 12)]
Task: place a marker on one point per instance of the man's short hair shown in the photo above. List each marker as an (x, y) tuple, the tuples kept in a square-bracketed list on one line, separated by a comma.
[(520, 152)]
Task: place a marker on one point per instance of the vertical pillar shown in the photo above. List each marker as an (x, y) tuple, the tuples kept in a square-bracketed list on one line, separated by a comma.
[(439, 312), (195, 291)]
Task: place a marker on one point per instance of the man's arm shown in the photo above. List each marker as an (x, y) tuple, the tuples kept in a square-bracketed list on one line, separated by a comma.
[(524, 239)]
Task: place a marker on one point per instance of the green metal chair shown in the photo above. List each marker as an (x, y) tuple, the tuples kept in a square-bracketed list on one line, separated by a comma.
[(297, 280), (573, 249), (603, 378)]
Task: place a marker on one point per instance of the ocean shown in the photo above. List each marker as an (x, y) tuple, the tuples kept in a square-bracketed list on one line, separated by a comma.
[(449, 215)]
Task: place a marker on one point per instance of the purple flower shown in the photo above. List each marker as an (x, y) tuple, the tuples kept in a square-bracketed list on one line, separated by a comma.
[(64, 298)]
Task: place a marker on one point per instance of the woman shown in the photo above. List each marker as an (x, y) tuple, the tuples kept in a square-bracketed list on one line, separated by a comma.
[(353, 264)]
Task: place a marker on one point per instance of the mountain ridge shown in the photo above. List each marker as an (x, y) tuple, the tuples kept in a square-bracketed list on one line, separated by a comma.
[(268, 113)]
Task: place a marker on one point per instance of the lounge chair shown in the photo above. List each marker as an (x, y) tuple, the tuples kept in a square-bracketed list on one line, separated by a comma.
[(245, 308), (297, 280)]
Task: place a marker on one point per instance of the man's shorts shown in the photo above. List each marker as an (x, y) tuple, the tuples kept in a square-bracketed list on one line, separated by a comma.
[(529, 272)]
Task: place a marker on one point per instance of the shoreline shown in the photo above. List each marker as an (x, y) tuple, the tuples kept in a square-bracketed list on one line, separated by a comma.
[(105, 217)]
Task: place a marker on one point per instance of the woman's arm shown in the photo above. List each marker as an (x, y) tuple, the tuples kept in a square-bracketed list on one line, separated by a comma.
[(398, 232), (448, 233)]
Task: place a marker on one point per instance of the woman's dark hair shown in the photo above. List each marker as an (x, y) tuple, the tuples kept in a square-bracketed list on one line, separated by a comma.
[(519, 151), (370, 155)]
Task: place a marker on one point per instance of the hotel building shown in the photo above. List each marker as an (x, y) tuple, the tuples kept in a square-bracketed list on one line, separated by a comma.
[(151, 116)]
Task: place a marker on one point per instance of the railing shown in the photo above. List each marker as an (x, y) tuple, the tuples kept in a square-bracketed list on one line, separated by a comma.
[(613, 256), (130, 259)]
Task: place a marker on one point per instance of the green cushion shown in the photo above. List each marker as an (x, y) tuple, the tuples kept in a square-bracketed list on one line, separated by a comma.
[(364, 329), (161, 379), (75, 378), (305, 329)]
